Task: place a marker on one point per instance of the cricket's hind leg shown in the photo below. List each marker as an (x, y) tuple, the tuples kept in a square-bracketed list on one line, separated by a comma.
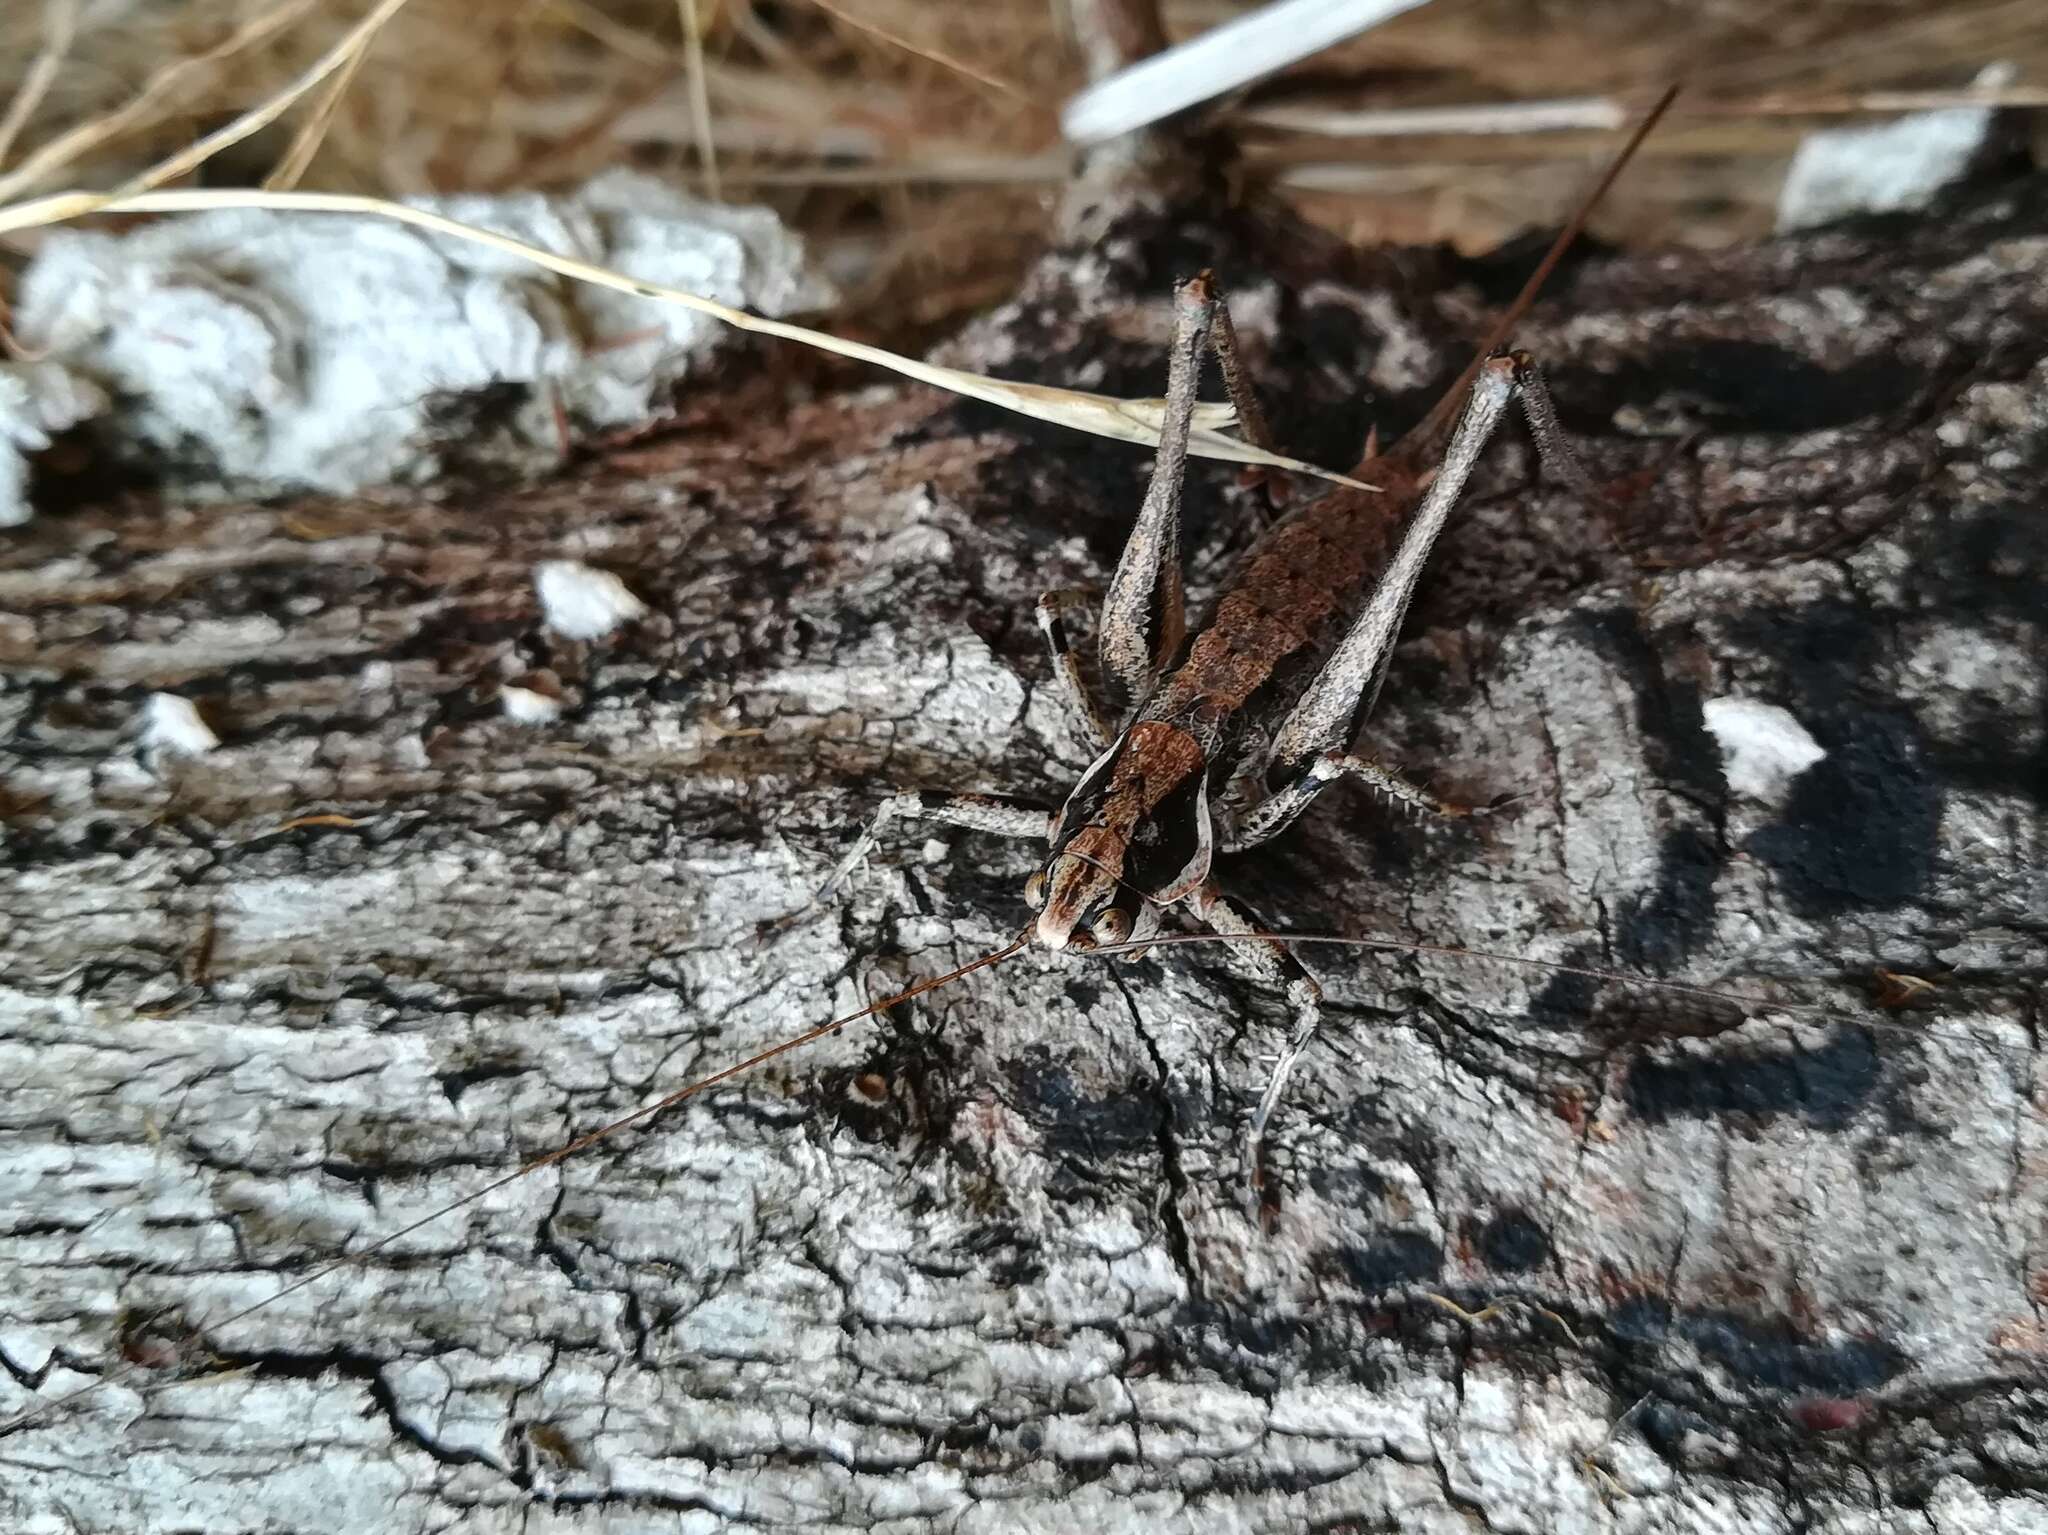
[(1334, 705), (1251, 416), (1275, 965), (1144, 612), (1553, 447)]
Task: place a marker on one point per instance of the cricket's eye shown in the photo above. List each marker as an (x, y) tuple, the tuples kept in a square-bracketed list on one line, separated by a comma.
[(1112, 927), (1034, 890)]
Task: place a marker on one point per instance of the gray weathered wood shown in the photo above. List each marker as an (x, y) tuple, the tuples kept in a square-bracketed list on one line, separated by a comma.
[(1552, 1255)]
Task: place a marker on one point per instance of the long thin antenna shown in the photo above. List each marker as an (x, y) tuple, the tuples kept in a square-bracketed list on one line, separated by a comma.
[(1459, 951), (1529, 962), (1416, 946), (560, 1153), (1440, 414)]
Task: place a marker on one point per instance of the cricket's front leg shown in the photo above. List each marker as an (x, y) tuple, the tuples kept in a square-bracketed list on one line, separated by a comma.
[(1066, 665), (1274, 964), (1000, 814)]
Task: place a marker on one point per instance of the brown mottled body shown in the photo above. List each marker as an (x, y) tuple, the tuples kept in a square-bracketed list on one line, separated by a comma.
[(1266, 697), (1162, 759), (1281, 613)]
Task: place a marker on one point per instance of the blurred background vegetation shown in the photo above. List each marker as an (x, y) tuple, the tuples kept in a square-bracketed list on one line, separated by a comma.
[(916, 143)]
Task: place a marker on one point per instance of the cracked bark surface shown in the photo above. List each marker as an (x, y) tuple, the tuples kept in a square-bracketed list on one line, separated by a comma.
[(1552, 1254)]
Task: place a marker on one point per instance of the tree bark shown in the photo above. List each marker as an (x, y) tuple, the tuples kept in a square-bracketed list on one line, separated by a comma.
[(1549, 1253)]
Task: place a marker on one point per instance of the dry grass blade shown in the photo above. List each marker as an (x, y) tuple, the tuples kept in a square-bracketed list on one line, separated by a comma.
[(160, 88), (1102, 415), (1602, 113), (1605, 113), (1048, 169), (306, 143), (60, 26), (700, 97), (259, 117), (925, 51), (858, 118), (1217, 62), (622, 40), (1098, 414)]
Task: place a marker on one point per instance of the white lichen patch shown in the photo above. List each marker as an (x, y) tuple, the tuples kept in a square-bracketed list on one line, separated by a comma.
[(582, 603), (279, 910), (524, 706), (1883, 168), (1981, 668), (172, 724), (276, 351), (1763, 747)]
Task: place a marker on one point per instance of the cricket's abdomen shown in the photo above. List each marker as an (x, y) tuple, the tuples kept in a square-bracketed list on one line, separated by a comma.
[(1287, 605)]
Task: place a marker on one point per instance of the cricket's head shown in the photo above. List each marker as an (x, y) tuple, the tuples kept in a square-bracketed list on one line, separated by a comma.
[(1134, 836)]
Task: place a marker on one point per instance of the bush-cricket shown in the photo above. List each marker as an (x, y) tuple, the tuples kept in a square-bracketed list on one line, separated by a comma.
[(1304, 730)]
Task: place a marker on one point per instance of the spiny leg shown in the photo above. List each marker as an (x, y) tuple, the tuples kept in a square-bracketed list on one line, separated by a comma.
[(1552, 446), (1277, 811), (1274, 964), (996, 813), (1335, 704), (1251, 417), (1244, 399), (1066, 665), (1144, 613)]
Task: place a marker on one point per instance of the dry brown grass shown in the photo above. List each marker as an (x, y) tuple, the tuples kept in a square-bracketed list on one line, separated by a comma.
[(917, 142)]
